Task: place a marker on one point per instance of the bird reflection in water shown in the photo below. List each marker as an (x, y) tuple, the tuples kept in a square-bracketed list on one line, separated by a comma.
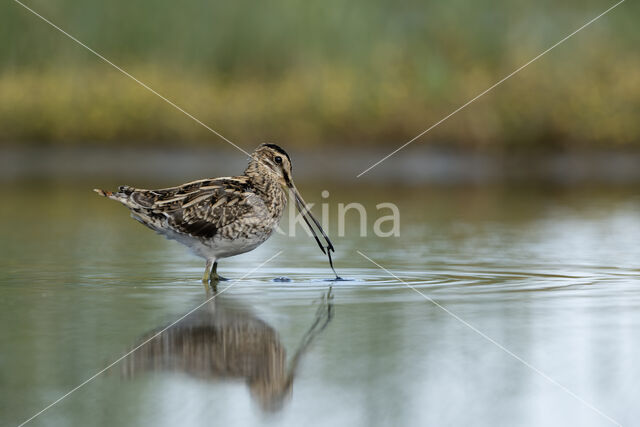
[(221, 341)]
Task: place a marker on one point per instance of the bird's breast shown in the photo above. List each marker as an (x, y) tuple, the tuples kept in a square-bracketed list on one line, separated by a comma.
[(257, 223)]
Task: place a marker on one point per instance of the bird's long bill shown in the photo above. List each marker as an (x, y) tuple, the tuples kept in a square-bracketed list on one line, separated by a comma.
[(306, 215), (308, 219)]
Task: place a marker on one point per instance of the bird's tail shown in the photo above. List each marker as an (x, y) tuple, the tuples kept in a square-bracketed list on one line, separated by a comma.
[(103, 193), (122, 195)]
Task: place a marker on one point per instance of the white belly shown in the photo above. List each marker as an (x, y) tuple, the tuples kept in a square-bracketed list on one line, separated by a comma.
[(217, 247)]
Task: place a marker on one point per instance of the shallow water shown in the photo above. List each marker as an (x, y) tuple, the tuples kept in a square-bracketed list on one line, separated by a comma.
[(510, 307)]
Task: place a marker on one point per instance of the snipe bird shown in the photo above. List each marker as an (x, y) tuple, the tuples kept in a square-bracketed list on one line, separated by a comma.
[(222, 217)]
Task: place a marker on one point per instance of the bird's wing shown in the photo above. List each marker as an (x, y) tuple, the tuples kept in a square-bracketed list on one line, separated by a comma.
[(199, 208)]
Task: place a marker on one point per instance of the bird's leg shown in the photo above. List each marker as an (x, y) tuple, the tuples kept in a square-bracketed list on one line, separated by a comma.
[(207, 270), (214, 277)]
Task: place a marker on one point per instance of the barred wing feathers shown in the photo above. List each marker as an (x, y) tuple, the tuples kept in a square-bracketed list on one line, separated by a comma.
[(199, 208)]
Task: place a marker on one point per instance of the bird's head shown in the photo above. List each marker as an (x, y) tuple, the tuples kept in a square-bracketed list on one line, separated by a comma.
[(272, 160)]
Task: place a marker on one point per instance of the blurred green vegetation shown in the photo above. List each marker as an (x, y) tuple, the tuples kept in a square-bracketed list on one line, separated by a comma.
[(308, 73)]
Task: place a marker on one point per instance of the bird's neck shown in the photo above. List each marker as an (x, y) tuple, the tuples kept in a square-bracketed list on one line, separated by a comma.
[(263, 179), (255, 169), (268, 187)]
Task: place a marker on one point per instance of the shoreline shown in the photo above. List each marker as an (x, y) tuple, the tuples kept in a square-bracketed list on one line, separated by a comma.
[(412, 166)]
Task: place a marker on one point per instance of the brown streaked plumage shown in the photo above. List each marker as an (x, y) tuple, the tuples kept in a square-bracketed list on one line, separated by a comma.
[(222, 217)]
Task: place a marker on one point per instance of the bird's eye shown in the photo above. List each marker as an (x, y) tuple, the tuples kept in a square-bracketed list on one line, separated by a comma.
[(278, 160)]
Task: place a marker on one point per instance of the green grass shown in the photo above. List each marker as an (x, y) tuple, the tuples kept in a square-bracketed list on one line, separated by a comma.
[(358, 72)]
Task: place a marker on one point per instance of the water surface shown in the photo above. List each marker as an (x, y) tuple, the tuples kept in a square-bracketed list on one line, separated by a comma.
[(550, 275)]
